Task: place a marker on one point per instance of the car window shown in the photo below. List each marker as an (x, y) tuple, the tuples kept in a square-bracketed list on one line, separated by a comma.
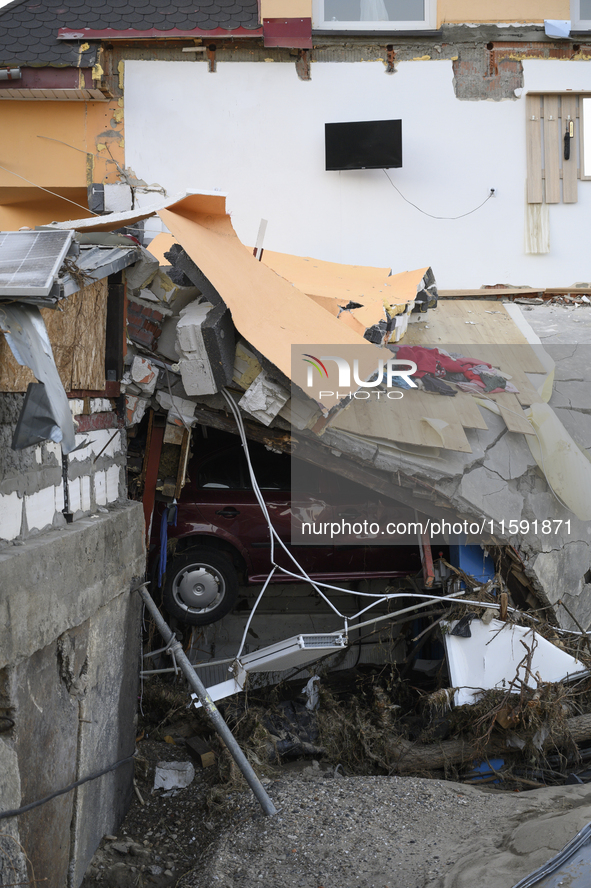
[(223, 470), (272, 470)]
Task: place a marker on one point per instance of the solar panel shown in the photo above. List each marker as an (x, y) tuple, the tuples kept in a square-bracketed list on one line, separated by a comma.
[(30, 261)]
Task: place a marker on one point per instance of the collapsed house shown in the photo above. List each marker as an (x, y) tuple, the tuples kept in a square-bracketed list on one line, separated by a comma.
[(454, 473), (475, 457)]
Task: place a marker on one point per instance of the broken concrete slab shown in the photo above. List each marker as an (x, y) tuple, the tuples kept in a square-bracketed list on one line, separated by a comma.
[(510, 458), (571, 394)]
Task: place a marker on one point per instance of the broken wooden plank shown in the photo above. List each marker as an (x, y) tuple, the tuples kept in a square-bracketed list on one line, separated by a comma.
[(552, 144), (512, 413), (411, 420), (77, 333), (534, 149), (569, 167), (490, 292), (200, 751)]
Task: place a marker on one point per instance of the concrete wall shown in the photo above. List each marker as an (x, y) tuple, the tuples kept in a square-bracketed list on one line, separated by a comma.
[(69, 655), (31, 481), (256, 131)]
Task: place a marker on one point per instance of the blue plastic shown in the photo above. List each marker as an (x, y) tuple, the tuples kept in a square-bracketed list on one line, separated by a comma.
[(473, 561)]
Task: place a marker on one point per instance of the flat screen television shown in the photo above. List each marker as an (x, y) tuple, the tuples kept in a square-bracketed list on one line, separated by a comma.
[(363, 145)]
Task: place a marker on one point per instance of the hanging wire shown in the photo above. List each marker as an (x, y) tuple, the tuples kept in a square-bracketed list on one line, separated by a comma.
[(431, 216), (41, 188)]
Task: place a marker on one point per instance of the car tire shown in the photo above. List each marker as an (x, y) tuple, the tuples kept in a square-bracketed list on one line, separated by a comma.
[(201, 587)]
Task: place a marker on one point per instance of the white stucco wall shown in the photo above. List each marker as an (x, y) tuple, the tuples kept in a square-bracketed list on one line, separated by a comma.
[(255, 131)]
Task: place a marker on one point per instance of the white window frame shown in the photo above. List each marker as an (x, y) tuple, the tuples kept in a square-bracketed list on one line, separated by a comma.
[(576, 22), (429, 22)]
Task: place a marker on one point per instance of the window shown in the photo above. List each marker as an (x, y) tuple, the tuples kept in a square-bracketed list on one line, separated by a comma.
[(375, 15), (580, 14)]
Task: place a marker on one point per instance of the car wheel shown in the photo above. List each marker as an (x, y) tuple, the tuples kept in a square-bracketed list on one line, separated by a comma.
[(201, 587)]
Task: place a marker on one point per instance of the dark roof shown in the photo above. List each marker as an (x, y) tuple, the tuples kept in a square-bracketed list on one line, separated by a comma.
[(29, 28)]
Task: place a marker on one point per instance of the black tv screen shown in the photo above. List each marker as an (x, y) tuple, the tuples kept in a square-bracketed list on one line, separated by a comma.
[(363, 145)]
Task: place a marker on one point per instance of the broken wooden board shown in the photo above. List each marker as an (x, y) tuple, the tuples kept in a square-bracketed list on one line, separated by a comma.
[(426, 420), (77, 332), (432, 420), (470, 322), (492, 292), (512, 413), (200, 751), (284, 315), (481, 332)]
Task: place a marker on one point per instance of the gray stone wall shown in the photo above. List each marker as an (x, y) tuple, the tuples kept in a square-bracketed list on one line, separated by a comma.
[(69, 657)]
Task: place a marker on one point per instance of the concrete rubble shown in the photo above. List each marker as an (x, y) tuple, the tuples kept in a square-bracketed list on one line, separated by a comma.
[(190, 348)]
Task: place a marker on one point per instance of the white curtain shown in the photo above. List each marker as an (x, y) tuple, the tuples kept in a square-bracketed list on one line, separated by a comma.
[(374, 11)]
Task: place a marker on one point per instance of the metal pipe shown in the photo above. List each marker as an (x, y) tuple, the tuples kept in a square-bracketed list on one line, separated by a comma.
[(176, 648), (10, 74)]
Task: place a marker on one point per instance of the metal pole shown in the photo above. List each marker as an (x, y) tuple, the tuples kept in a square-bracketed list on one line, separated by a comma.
[(175, 647)]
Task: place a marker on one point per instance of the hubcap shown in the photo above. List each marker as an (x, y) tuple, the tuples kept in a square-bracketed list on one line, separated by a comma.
[(198, 587)]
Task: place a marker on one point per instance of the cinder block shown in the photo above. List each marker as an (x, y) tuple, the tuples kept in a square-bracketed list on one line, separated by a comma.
[(85, 499), (188, 331), (112, 481), (53, 449), (205, 340), (74, 494), (40, 508), (118, 198), (197, 376), (11, 512), (100, 488), (59, 498), (97, 439)]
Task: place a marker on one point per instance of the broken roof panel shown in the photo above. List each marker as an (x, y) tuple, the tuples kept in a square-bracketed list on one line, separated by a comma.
[(269, 312), (29, 34), (361, 297), (203, 202)]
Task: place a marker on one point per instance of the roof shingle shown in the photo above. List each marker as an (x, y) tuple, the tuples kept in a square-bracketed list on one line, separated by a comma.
[(28, 30)]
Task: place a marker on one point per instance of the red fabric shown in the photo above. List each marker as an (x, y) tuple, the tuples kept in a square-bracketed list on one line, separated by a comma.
[(430, 360)]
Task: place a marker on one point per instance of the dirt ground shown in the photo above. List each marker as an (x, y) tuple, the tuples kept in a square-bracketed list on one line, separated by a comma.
[(333, 831)]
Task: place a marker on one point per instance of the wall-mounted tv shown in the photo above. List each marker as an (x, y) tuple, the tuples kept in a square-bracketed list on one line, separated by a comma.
[(363, 145)]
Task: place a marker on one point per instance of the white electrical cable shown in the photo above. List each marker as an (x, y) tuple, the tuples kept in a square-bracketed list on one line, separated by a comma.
[(273, 533), (303, 576)]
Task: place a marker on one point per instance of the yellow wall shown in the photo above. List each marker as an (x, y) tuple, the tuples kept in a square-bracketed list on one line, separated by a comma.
[(286, 8), (458, 11), (61, 146), (453, 11)]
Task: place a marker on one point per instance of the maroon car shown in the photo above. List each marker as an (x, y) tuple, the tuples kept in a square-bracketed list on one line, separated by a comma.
[(223, 539)]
